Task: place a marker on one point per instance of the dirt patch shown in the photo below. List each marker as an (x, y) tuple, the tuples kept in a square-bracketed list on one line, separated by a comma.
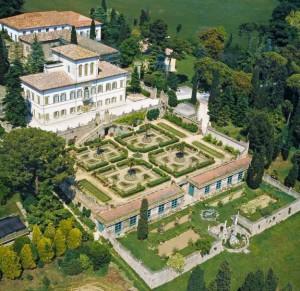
[(258, 203), (172, 224), (228, 198), (179, 242)]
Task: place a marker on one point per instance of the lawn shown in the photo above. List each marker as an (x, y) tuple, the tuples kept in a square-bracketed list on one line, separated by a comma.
[(171, 130), (208, 150), (186, 67), (87, 186), (194, 15), (10, 207), (277, 247), (112, 280)]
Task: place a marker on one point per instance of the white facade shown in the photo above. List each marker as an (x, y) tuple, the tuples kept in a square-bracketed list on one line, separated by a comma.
[(14, 34), (86, 91)]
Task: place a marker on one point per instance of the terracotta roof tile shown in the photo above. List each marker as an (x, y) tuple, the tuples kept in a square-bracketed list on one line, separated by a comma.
[(131, 208), (58, 79), (74, 52), (45, 19), (202, 179), (65, 35)]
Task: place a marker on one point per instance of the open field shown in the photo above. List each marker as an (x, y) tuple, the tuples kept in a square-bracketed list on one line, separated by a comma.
[(112, 280), (194, 15), (276, 248)]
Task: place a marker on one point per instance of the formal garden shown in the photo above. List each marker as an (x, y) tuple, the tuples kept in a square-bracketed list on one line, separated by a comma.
[(187, 231), (140, 159)]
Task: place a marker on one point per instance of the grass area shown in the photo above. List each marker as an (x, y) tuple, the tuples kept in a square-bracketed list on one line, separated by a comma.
[(10, 207), (186, 67), (111, 280), (231, 130), (281, 168), (276, 248), (132, 118), (194, 15), (208, 150), (87, 186), (171, 129)]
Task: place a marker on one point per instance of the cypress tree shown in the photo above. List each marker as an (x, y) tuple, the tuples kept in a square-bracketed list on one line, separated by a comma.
[(15, 106), (255, 171), (295, 126), (4, 64), (271, 281), (73, 35), (290, 179), (196, 280), (104, 5), (142, 229), (172, 98), (135, 84), (93, 30), (223, 278), (27, 259), (195, 89), (215, 102), (50, 231), (36, 59), (9, 263)]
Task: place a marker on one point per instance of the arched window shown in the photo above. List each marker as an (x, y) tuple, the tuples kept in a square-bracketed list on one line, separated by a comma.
[(108, 87), (86, 93), (107, 101), (92, 68), (114, 85), (80, 70), (79, 93), (86, 68)]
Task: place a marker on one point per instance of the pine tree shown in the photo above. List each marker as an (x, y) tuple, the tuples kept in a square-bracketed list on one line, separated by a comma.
[(271, 283), (27, 257), (142, 229), (135, 84), (255, 171), (93, 30), (36, 234), (45, 250), (50, 231), (74, 239), (59, 243), (73, 35), (196, 280), (9, 263), (4, 64), (223, 278), (36, 59), (290, 179)]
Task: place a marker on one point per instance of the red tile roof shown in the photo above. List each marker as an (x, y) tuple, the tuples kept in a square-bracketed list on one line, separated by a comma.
[(74, 52), (124, 211), (45, 19), (202, 179)]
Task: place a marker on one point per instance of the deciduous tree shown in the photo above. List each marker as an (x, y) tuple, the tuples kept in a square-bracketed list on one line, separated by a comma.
[(45, 250), (74, 238), (36, 234), (59, 243), (26, 257), (9, 263)]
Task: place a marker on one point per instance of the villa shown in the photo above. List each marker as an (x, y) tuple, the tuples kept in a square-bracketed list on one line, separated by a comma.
[(47, 21), (74, 83)]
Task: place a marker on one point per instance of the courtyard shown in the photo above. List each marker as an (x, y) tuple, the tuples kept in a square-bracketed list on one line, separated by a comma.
[(187, 231)]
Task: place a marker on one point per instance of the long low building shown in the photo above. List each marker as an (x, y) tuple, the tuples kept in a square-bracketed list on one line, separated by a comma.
[(47, 21), (218, 179), (122, 218)]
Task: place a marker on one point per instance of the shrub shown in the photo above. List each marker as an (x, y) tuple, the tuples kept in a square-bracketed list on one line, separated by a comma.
[(145, 93), (71, 264), (153, 114), (203, 245)]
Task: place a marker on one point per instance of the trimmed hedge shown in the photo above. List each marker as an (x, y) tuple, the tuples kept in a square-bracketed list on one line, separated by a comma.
[(94, 166), (124, 194), (105, 169), (178, 121), (171, 129), (208, 149), (81, 149)]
